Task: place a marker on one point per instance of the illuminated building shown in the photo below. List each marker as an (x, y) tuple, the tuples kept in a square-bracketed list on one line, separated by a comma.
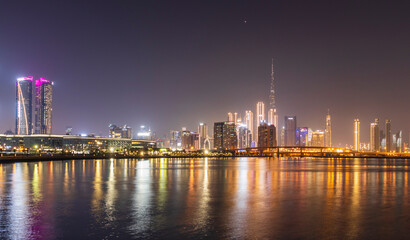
[(225, 137), (266, 135), (318, 139), (43, 106), (203, 134), (114, 131), (272, 115), (235, 118), (189, 140), (356, 135), (230, 117), (375, 136), (303, 136), (249, 123), (388, 135), (126, 132), (398, 142), (144, 134), (260, 115), (175, 141), (282, 136), (290, 131), (328, 131), (24, 92), (244, 136)]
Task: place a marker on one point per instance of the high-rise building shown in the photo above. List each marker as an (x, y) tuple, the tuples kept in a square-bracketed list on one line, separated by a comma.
[(282, 136), (249, 123), (388, 135), (126, 132), (260, 116), (398, 141), (24, 92), (303, 136), (225, 137), (290, 131), (266, 135), (244, 136), (235, 118), (203, 134), (43, 106), (375, 136), (318, 139), (272, 115), (328, 131), (230, 117), (357, 135)]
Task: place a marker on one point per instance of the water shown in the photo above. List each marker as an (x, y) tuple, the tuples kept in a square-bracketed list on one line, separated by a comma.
[(252, 198)]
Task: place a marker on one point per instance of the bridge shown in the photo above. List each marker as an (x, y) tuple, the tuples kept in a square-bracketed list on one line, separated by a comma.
[(299, 151)]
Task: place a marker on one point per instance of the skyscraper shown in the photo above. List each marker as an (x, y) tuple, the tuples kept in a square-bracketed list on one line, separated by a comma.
[(290, 131), (318, 139), (260, 115), (24, 92), (249, 123), (328, 131), (375, 136), (230, 117), (203, 134), (43, 100), (267, 135), (272, 115), (225, 137), (388, 135), (303, 136), (244, 136), (356, 135)]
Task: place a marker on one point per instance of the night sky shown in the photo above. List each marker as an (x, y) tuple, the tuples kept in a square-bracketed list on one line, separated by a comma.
[(173, 64)]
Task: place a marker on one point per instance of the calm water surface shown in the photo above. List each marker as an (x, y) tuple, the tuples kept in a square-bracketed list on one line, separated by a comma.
[(256, 198)]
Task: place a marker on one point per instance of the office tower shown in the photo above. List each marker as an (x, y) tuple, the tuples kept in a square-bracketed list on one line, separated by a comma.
[(318, 139), (266, 135), (235, 118), (356, 135), (175, 141), (43, 106), (126, 132), (144, 133), (203, 134), (303, 136), (399, 142), (290, 131), (282, 136), (375, 136), (230, 117), (388, 135), (249, 123), (328, 131), (114, 131), (244, 136), (260, 116), (272, 115), (24, 92), (189, 140), (225, 137)]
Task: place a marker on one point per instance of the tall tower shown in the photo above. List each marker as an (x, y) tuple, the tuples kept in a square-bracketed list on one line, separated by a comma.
[(43, 101), (24, 92), (328, 131), (388, 135), (356, 135), (375, 136), (249, 123), (272, 115), (230, 117), (260, 116), (203, 134), (290, 131)]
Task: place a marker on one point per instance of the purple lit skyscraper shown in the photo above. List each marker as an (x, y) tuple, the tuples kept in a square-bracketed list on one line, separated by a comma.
[(24, 88), (43, 99)]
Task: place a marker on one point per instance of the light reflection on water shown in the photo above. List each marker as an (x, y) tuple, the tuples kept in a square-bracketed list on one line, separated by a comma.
[(205, 198)]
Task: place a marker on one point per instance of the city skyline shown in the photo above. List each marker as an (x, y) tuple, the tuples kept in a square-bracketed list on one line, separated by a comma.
[(311, 77)]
